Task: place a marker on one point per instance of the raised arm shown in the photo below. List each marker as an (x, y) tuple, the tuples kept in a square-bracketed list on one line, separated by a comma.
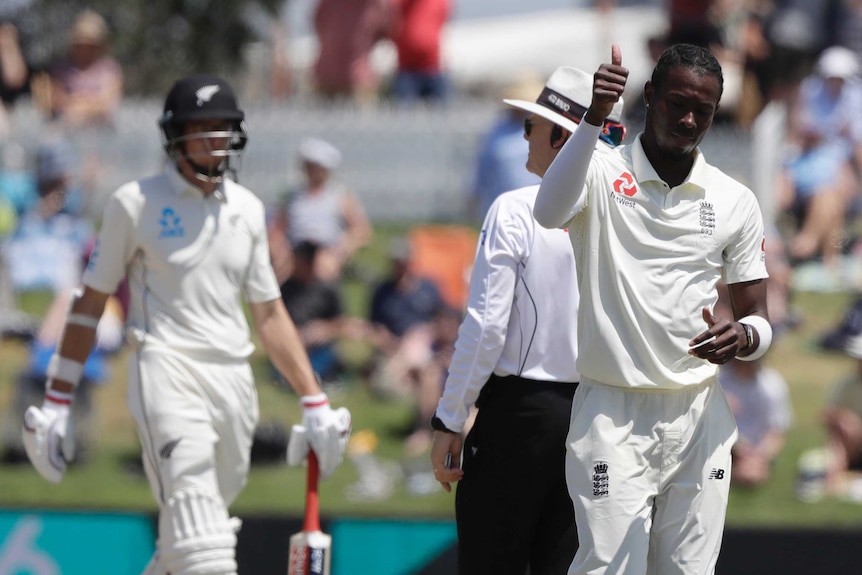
[(561, 191)]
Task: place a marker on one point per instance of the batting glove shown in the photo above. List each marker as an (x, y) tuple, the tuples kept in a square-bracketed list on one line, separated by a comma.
[(47, 435), (324, 430)]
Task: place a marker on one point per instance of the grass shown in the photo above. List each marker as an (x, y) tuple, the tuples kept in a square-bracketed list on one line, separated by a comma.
[(111, 479)]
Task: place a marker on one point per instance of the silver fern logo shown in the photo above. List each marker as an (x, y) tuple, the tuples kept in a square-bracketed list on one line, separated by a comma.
[(206, 93)]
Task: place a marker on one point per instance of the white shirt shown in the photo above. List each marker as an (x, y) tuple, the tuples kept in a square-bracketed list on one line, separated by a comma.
[(521, 309), (189, 259), (760, 405), (649, 257)]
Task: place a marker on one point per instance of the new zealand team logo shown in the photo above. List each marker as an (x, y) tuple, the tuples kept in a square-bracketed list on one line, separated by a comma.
[(171, 225), (625, 184)]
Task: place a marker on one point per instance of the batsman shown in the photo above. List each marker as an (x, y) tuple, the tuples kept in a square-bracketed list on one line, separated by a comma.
[(192, 243)]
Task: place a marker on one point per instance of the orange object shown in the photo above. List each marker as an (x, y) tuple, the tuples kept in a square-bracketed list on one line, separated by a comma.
[(445, 255)]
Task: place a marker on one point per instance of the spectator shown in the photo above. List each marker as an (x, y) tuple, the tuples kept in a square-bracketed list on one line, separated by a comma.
[(825, 133), (324, 211), (14, 71), (502, 161), (416, 32), (347, 31), (86, 88), (403, 311), (760, 401), (46, 249), (316, 308), (829, 470)]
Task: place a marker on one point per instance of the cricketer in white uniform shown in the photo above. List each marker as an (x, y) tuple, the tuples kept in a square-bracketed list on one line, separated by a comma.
[(515, 360), (192, 244), (654, 228)]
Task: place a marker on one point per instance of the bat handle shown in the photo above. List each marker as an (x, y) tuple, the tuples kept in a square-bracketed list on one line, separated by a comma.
[(312, 501)]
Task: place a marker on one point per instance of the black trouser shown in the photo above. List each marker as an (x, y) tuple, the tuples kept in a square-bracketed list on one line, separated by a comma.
[(512, 507)]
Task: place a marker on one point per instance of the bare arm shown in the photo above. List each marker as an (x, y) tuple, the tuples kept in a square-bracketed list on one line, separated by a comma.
[(359, 229), (281, 340), (78, 340), (746, 299)]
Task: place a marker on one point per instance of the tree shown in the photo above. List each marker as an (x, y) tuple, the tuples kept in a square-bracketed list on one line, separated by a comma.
[(157, 41)]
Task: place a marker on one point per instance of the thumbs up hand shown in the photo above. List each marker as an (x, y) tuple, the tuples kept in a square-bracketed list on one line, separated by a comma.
[(609, 82)]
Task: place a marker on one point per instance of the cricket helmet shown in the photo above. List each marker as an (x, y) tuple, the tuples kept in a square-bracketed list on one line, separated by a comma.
[(204, 97)]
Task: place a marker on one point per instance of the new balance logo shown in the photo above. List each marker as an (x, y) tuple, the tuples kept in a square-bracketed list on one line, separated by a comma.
[(716, 473)]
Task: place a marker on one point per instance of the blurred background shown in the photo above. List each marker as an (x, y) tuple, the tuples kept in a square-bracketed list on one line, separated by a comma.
[(412, 106)]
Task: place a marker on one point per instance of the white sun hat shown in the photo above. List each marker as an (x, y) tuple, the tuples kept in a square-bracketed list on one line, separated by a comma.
[(838, 62), (565, 98), (320, 152)]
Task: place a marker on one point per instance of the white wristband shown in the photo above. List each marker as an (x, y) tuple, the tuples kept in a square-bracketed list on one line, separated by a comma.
[(312, 401), (64, 369), (764, 332)]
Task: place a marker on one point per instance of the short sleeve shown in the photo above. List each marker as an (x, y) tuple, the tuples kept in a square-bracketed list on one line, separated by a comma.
[(115, 247), (261, 284)]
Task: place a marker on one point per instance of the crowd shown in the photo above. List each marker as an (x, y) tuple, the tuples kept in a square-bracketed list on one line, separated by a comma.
[(469, 369)]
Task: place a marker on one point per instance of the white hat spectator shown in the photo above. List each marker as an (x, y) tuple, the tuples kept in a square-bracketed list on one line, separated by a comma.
[(838, 62), (320, 152)]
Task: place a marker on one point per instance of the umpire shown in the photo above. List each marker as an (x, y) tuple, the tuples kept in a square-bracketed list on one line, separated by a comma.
[(515, 360)]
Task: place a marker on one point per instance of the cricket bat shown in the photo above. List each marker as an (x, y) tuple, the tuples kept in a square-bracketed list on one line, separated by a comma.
[(310, 548)]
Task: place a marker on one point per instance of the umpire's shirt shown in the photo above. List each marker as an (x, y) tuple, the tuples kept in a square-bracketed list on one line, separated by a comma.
[(518, 322)]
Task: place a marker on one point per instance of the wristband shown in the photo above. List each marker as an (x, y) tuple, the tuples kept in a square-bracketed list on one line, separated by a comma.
[(58, 399), (764, 332), (64, 369), (312, 401)]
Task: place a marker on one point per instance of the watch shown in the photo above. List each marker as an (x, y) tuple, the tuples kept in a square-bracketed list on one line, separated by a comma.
[(438, 425), (749, 335)]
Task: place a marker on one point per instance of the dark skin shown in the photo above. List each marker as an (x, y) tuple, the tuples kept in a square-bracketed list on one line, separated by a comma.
[(679, 113)]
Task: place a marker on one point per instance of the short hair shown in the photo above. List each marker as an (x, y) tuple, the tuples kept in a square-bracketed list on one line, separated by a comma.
[(694, 57)]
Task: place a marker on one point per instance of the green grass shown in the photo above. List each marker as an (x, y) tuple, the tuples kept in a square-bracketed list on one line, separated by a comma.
[(109, 480)]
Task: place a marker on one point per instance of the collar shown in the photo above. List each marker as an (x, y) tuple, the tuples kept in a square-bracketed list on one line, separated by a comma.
[(180, 186), (644, 171)]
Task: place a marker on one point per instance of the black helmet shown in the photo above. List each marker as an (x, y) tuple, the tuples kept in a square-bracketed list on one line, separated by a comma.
[(203, 97)]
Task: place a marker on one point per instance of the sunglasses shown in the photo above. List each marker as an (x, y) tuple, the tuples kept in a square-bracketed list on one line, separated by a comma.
[(612, 132)]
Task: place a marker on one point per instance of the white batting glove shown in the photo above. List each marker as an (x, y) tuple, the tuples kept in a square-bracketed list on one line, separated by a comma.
[(326, 431), (47, 435), (297, 446)]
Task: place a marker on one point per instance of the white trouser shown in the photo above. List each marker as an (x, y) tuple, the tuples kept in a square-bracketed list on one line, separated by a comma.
[(649, 475), (196, 423)]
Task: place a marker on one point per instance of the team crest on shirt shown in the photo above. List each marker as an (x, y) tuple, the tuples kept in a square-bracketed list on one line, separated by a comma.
[(601, 479), (171, 224), (707, 218)]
